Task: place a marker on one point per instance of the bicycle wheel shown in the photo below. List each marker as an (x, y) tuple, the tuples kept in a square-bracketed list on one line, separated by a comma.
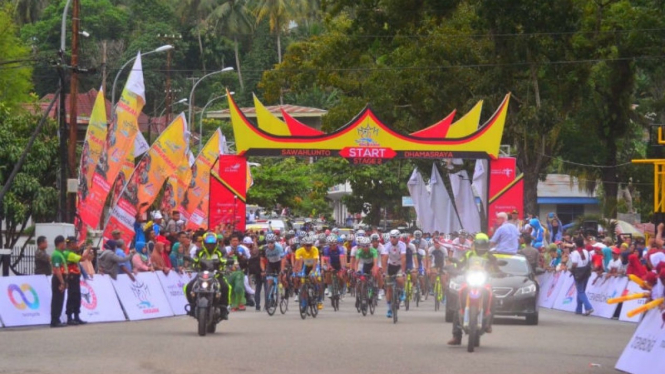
[(357, 292), (271, 305), (395, 304), (407, 295), (284, 305), (428, 287), (303, 301), (372, 299), (437, 291), (363, 299), (416, 294)]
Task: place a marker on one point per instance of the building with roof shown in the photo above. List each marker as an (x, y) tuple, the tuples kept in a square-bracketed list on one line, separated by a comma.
[(563, 195), (307, 115)]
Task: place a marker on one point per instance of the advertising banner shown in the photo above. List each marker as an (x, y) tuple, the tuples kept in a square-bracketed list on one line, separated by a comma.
[(173, 285), (195, 203), (119, 142), (550, 288), (603, 289), (25, 300), (567, 298), (627, 306), (177, 185), (506, 189), (146, 181), (228, 189), (645, 353), (143, 299), (99, 302)]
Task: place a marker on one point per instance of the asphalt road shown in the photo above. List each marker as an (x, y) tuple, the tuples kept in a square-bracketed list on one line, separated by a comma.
[(334, 342)]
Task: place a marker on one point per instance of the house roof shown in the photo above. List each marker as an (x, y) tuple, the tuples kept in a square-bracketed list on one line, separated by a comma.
[(563, 186), (295, 111)]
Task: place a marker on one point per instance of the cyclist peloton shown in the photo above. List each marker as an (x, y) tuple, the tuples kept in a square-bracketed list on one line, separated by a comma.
[(307, 264), (394, 260)]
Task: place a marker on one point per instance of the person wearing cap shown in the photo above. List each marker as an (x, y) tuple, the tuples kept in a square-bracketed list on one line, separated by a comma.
[(506, 237), (158, 222), (108, 262), (615, 266), (237, 256), (73, 308), (210, 255), (58, 281)]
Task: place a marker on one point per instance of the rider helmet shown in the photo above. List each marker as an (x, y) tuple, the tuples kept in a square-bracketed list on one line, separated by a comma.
[(343, 237), (271, 238), (394, 233), (481, 243), (210, 241), (374, 237), (331, 239), (418, 234), (308, 240), (363, 241), (360, 233)]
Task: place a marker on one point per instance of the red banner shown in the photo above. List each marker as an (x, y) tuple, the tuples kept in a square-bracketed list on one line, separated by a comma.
[(506, 191), (228, 192)]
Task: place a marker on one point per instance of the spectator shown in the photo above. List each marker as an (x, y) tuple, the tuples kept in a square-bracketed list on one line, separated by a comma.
[(553, 258), (158, 222), (120, 251), (175, 225), (42, 259), (88, 268), (237, 255), (635, 267), (615, 266), (254, 270), (596, 259), (108, 262), (58, 283), (581, 269), (506, 237), (252, 217), (140, 261), (177, 255), (607, 252), (528, 251), (157, 258), (116, 235), (150, 238)]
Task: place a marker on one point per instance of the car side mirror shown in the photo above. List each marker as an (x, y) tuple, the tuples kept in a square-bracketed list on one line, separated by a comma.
[(539, 271)]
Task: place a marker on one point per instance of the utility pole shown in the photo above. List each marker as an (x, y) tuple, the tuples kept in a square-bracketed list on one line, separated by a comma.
[(168, 39), (62, 132), (104, 66), (73, 114)]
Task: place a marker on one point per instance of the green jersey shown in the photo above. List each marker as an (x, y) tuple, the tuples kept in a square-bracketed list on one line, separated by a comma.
[(367, 256), (58, 261)]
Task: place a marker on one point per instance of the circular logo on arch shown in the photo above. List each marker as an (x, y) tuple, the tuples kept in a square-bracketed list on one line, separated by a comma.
[(23, 297), (88, 296)]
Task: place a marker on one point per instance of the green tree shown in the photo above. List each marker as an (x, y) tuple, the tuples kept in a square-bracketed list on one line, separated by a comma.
[(32, 194), (15, 64), (27, 11), (279, 13)]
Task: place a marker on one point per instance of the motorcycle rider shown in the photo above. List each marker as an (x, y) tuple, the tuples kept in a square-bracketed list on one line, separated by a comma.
[(210, 252), (480, 249)]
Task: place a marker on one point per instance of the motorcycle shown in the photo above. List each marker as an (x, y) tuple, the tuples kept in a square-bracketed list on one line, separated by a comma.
[(208, 309), (473, 320)]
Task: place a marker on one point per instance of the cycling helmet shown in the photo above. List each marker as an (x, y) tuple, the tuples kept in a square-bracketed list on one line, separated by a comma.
[(374, 237), (462, 233), (360, 233), (302, 234), (291, 233), (481, 243), (321, 237), (343, 237), (295, 241), (271, 238), (331, 239), (417, 234), (394, 233), (340, 240), (335, 231), (311, 233), (308, 240), (405, 236), (363, 241)]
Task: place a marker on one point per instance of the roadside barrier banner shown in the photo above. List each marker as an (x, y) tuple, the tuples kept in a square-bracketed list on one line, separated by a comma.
[(99, 302), (645, 353), (143, 299), (25, 300), (173, 285), (566, 300)]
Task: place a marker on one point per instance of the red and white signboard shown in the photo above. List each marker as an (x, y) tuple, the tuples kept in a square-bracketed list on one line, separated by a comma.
[(99, 302)]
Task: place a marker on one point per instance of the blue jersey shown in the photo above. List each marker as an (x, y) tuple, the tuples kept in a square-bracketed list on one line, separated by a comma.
[(334, 254)]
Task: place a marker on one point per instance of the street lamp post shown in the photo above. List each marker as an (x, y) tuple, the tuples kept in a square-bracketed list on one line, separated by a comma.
[(191, 94), (201, 119), (161, 114), (163, 48)]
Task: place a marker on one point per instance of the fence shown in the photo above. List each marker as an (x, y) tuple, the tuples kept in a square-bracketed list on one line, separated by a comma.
[(23, 264)]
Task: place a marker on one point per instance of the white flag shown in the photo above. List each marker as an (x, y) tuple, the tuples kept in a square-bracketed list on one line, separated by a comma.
[(480, 180), (465, 201)]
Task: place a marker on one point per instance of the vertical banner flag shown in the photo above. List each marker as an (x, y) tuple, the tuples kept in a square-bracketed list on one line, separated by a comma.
[(196, 200), (119, 141), (506, 190), (155, 167), (177, 185), (92, 148), (228, 192)]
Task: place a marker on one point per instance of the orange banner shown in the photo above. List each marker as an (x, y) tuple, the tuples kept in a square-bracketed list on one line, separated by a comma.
[(195, 202), (177, 185), (119, 142), (161, 161)]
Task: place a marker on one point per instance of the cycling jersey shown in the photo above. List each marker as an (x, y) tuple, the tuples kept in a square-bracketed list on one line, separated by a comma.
[(367, 256), (438, 257), (310, 258), (394, 253), (421, 251), (379, 250), (274, 255), (334, 254), (412, 251)]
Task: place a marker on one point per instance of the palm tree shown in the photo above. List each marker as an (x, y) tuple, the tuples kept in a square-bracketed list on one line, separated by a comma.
[(232, 18), (193, 11), (279, 13), (28, 11)]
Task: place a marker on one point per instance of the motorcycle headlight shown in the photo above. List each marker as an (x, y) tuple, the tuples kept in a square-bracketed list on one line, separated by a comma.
[(454, 285), (526, 290), (476, 279), (204, 285)]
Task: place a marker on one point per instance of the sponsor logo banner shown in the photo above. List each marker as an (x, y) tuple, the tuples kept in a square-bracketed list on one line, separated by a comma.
[(25, 300), (144, 298), (645, 353)]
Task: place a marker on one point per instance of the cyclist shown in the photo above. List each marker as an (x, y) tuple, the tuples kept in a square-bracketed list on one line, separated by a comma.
[(461, 245), (421, 247), (480, 249), (438, 256), (334, 259), (412, 259), (394, 260), (274, 254), (289, 262), (378, 247), (307, 263)]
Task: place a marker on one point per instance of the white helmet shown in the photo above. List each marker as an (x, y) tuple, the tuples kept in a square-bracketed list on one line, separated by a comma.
[(363, 241), (374, 237), (307, 240), (271, 238), (417, 234), (331, 239), (343, 237), (335, 230), (360, 233), (394, 233)]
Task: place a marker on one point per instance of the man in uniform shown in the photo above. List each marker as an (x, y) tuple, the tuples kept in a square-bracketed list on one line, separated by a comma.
[(209, 254), (58, 284), (72, 259)]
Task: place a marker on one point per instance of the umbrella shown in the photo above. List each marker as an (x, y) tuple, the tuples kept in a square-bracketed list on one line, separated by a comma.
[(623, 227)]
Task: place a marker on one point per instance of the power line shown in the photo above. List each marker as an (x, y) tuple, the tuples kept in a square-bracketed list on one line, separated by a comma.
[(587, 165)]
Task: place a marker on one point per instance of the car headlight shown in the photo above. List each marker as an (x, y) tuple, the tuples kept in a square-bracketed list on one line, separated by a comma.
[(454, 286), (476, 279), (526, 290), (204, 285)]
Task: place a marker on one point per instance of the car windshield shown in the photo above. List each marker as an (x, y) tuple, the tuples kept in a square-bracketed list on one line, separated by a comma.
[(515, 265)]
